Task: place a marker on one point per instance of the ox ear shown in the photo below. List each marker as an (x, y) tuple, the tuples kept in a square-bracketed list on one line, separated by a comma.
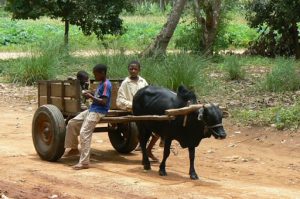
[(200, 114)]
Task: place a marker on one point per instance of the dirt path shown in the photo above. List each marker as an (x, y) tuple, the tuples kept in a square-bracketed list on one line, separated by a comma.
[(250, 163)]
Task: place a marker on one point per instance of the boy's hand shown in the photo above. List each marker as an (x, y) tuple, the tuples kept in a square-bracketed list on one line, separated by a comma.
[(88, 95)]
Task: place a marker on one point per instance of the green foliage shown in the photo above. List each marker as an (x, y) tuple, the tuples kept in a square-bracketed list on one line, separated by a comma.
[(233, 68), (41, 64), (232, 32), (236, 35), (92, 16), (169, 72), (148, 8), (189, 37), (283, 77), (282, 117), (175, 70), (276, 21), (20, 33)]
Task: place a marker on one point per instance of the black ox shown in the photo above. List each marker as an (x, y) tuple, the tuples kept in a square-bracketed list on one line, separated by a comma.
[(198, 124)]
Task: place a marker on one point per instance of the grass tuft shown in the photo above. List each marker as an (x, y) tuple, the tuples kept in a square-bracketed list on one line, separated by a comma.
[(283, 77), (233, 68)]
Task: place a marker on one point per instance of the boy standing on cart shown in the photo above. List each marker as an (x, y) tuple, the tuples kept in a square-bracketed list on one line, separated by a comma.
[(85, 123)]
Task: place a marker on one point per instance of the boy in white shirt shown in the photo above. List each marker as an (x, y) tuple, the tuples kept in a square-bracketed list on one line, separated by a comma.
[(127, 90)]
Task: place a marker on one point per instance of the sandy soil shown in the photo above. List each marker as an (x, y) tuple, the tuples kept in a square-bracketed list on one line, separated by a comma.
[(250, 163)]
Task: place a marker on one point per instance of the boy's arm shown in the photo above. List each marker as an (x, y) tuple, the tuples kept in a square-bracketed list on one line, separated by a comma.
[(122, 101), (101, 101)]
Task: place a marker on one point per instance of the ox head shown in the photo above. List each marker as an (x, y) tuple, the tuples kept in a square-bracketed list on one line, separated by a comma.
[(212, 115)]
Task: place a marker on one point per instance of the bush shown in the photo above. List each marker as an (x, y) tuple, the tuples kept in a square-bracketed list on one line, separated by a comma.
[(233, 68), (283, 77)]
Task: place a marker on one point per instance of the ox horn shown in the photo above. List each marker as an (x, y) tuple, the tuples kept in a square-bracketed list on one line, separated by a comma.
[(207, 105)]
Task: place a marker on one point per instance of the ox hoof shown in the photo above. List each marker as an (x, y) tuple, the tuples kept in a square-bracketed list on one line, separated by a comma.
[(194, 176), (162, 173)]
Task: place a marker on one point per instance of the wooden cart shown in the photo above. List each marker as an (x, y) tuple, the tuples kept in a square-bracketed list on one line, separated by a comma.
[(60, 101)]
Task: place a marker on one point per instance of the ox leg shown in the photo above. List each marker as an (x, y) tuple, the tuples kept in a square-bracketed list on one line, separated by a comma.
[(144, 137), (162, 166), (193, 174)]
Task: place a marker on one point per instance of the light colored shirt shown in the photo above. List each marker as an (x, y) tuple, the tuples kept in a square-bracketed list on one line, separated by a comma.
[(127, 90)]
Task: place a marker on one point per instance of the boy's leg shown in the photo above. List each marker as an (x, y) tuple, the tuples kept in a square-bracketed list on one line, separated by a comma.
[(86, 133), (154, 139), (72, 133)]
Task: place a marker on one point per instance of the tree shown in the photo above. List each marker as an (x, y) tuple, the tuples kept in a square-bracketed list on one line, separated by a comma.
[(160, 44), (208, 14), (92, 16), (277, 21)]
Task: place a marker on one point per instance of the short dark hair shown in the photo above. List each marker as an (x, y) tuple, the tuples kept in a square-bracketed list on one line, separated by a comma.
[(81, 75), (100, 68), (134, 63)]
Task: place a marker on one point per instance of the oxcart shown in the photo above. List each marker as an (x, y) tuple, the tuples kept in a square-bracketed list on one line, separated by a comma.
[(59, 101)]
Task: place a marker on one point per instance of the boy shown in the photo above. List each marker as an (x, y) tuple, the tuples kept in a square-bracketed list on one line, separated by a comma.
[(126, 92), (87, 120), (83, 78)]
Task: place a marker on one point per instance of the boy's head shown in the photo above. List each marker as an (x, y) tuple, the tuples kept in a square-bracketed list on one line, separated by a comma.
[(83, 78), (100, 72), (134, 69)]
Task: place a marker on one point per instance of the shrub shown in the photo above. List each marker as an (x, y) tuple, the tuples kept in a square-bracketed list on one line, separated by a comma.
[(283, 77), (233, 68)]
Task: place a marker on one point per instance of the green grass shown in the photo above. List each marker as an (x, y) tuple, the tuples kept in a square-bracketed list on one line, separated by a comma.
[(41, 64), (283, 77), (141, 30), (234, 68), (282, 117)]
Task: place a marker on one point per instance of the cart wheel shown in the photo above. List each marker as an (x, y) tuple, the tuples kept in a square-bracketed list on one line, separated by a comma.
[(48, 132), (123, 137)]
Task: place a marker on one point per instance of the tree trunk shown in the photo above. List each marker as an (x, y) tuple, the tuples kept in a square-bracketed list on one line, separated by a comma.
[(160, 44), (296, 40), (162, 5), (67, 24), (209, 23), (211, 26)]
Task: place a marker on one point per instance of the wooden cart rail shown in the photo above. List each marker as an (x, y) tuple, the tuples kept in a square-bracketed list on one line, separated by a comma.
[(121, 116)]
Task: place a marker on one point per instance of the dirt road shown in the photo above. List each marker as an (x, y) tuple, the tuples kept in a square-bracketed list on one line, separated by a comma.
[(250, 163)]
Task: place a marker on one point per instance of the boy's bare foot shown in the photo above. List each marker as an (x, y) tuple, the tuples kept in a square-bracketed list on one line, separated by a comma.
[(72, 152), (80, 166)]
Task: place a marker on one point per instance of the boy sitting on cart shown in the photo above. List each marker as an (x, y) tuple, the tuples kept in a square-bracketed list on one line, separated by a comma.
[(85, 123)]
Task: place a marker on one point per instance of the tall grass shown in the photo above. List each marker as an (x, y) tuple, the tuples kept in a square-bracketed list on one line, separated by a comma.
[(42, 63), (233, 68), (283, 77), (170, 71)]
